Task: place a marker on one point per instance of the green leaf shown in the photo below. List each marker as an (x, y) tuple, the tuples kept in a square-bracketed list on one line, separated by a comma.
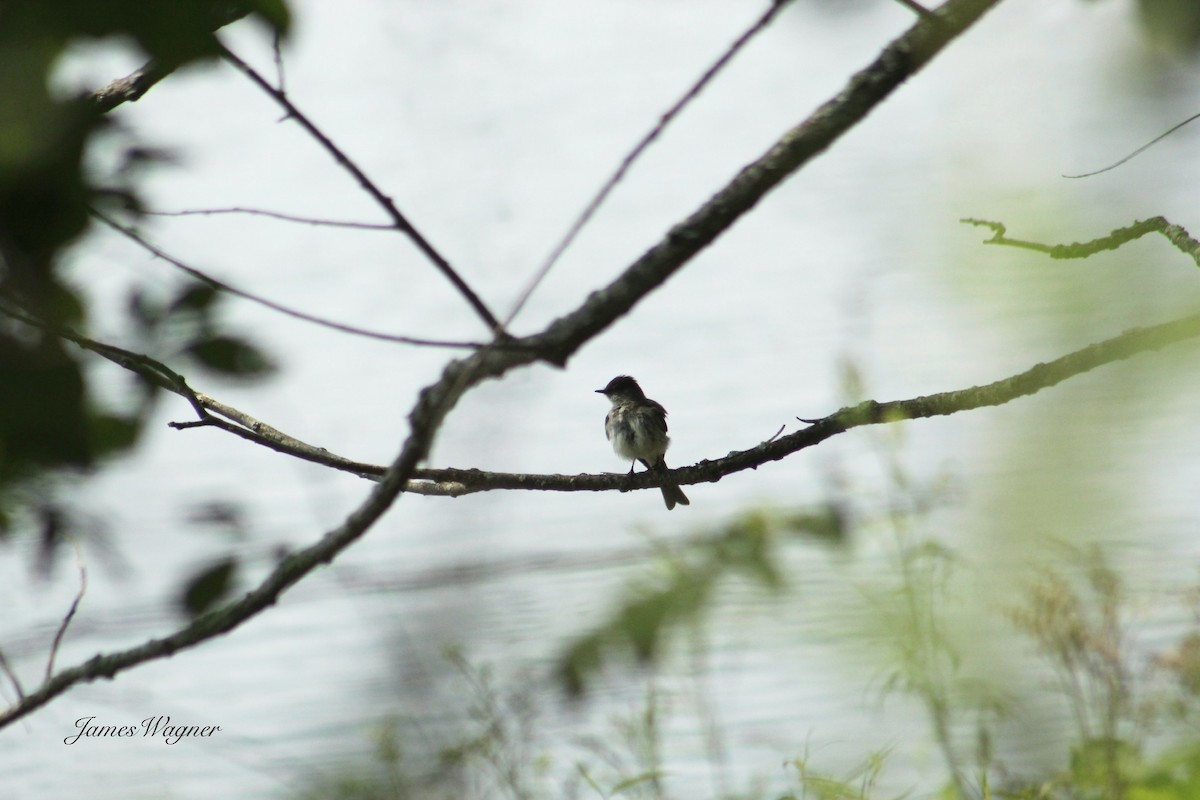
[(230, 355), (196, 297), (275, 13), (146, 313), (111, 434), (42, 417), (209, 586), (637, 780)]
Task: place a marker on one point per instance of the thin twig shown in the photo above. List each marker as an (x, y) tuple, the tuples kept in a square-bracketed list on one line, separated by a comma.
[(1176, 234), (400, 221), (592, 207), (12, 676), (1041, 376), (236, 422), (426, 417), (62, 628), (277, 53), (216, 283), (1139, 151), (149, 368), (131, 88), (454, 482), (262, 212), (898, 62), (916, 8), (260, 433)]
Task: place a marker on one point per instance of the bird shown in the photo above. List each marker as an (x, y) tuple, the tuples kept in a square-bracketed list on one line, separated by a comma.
[(637, 428)]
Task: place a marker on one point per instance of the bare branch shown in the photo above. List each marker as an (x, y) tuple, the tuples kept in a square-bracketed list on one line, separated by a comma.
[(426, 417), (204, 277), (1137, 152), (400, 222), (899, 61), (453, 482), (594, 205), (236, 422), (12, 676), (870, 412), (1175, 234), (916, 8), (130, 88), (261, 212), (137, 83), (260, 433), (62, 628)]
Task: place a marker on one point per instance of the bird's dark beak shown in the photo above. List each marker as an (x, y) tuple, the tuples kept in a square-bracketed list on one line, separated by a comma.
[(599, 391)]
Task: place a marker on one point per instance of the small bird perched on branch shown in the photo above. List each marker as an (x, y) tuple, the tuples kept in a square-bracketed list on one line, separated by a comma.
[(637, 428)]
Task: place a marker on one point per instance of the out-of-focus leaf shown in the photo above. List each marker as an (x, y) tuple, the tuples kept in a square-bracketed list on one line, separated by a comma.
[(642, 623), (209, 586), (52, 532), (111, 434), (652, 612), (146, 313), (582, 658), (42, 414), (275, 13), (1092, 761), (829, 523), (221, 515), (64, 305), (230, 355), (43, 196), (196, 297), (1172, 23)]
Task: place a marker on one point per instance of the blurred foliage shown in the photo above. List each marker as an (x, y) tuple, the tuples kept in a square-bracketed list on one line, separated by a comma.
[(183, 327), (230, 355), (209, 586), (49, 418), (1172, 24), (1082, 633), (1133, 712), (684, 591), (857, 785)]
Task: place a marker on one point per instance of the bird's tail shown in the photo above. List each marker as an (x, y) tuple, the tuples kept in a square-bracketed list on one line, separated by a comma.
[(672, 494)]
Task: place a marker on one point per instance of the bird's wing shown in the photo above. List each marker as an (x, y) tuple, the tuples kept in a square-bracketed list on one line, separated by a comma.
[(660, 414)]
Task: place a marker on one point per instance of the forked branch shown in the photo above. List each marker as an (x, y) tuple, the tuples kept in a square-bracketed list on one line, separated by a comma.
[(898, 62)]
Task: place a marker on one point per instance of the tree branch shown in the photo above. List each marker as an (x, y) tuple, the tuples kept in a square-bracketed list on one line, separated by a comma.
[(399, 221), (1175, 234), (70, 615), (899, 61), (1137, 152), (130, 88), (209, 280), (594, 204), (916, 8), (434, 403), (455, 482), (1040, 376), (137, 83), (12, 676), (263, 212)]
